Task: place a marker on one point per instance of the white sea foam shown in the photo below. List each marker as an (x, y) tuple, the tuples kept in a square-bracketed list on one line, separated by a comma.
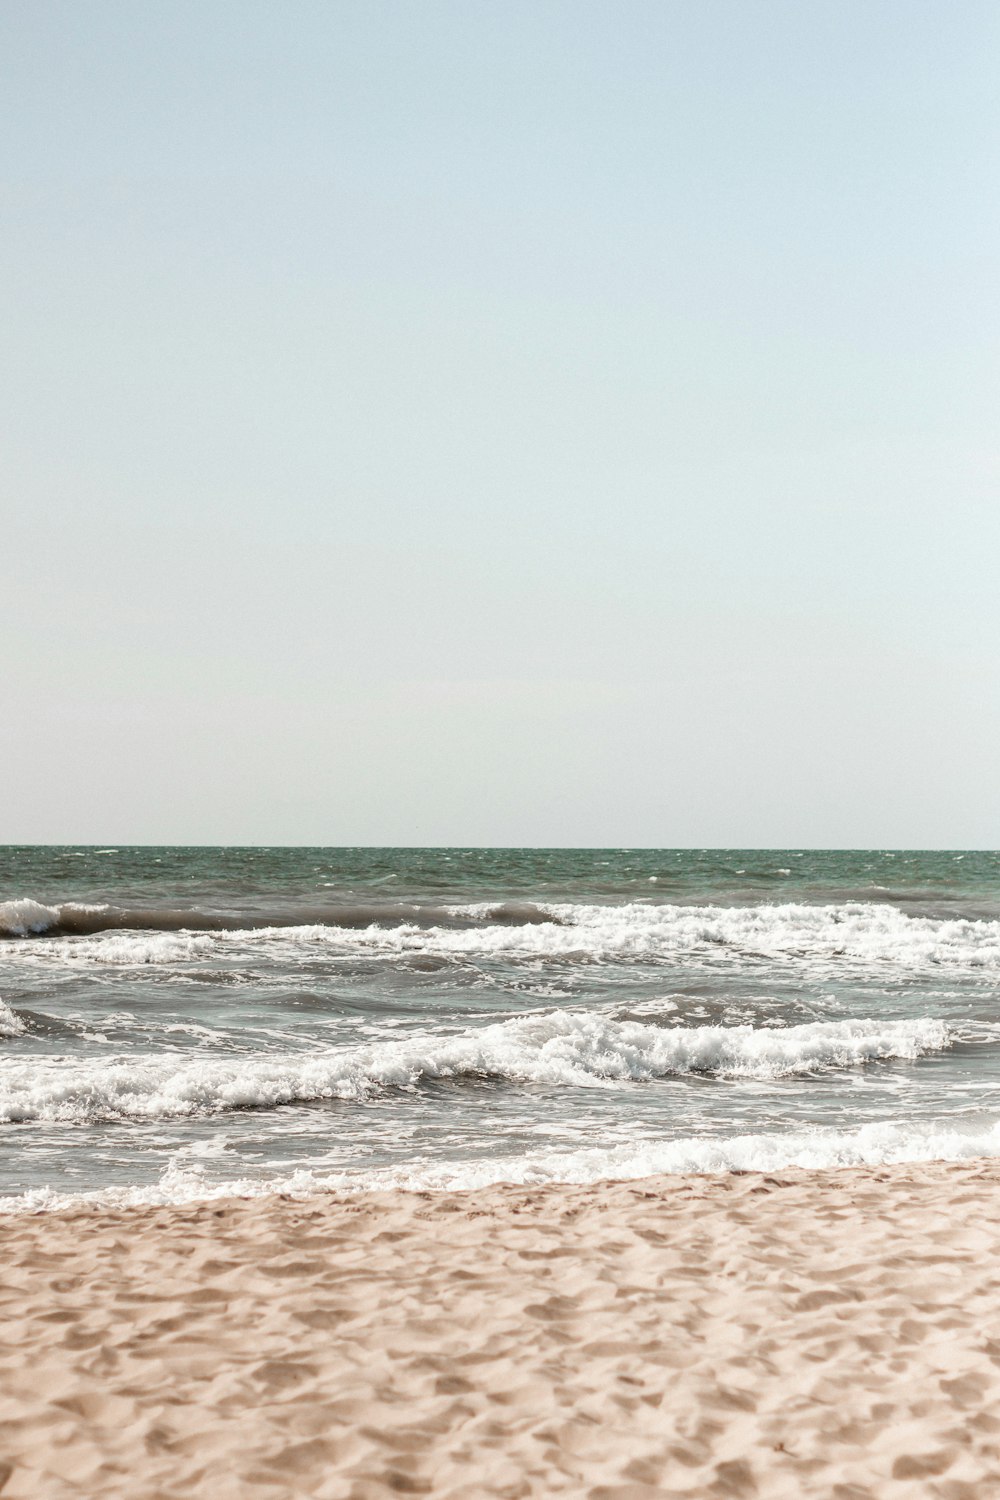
[(11, 1024), (184, 1180), (133, 949), (855, 933), (868, 1145), (561, 1048), (24, 917)]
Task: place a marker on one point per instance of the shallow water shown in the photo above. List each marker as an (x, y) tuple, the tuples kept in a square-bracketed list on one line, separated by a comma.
[(180, 1021)]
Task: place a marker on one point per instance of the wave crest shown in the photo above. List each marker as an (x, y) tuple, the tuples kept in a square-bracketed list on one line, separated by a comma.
[(11, 1024), (559, 1049), (24, 918), (850, 933), (184, 1180)]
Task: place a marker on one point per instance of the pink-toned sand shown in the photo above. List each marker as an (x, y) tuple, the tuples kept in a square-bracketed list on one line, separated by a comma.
[(832, 1334)]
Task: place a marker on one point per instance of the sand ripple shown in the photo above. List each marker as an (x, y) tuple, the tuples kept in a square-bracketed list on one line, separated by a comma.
[(832, 1334)]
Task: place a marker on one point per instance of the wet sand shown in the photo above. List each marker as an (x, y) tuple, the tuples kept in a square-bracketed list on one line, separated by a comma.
[(829, 1334)]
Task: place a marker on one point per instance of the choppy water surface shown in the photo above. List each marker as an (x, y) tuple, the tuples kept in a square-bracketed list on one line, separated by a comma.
[(182, 1021)]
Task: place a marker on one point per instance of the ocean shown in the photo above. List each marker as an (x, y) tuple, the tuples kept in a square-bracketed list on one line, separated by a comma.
[(177, 1023)]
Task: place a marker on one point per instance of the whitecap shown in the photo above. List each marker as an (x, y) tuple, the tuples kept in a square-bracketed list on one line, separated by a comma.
[(557, 1049), (185, 1180)]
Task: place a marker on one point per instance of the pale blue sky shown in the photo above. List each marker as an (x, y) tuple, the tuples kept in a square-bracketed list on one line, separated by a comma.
[(474, 422)]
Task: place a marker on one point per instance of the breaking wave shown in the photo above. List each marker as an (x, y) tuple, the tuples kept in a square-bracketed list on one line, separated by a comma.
[(10, 1023), (27, 918), (556, 1049), (851, 932), (817, 1149)]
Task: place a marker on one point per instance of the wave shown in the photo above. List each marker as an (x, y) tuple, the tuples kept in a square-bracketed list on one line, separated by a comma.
[(26, 918), (11, 1024), (847, 933), (817, 1149), (23, 918), (557, 1049), (851, 931)]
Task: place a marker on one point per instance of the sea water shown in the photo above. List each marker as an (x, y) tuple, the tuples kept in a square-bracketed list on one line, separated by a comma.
[(176, 1023)]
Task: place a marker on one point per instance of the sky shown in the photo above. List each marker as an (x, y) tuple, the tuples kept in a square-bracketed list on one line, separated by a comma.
[(471, 422)]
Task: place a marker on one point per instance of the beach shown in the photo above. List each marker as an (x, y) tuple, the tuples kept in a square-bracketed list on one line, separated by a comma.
[(500, 867), (357, 1173), (827, 1333)]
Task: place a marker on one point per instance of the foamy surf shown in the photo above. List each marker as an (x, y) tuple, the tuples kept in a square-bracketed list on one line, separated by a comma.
[(22, 918), (11, 1025), (818, 1149), (853, 933), (402, 1012), (557, 1049)]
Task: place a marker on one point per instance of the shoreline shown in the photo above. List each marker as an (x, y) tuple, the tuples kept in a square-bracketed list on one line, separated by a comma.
[(826, 1333)]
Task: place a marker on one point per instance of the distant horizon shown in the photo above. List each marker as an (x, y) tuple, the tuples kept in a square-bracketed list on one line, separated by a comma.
[(624, 848)]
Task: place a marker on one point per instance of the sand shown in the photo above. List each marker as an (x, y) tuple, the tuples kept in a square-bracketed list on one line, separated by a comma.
[(830, 1334)]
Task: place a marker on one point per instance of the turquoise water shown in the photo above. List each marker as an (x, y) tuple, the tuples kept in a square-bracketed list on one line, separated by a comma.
[(965, 882), (177, 1022)]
